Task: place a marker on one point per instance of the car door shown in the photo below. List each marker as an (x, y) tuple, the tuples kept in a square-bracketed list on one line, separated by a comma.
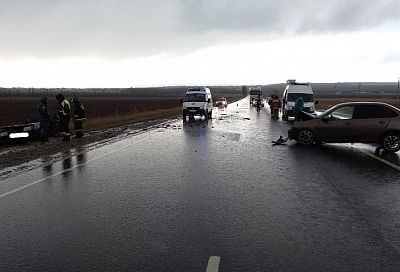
[(336, 125), (370, 121)]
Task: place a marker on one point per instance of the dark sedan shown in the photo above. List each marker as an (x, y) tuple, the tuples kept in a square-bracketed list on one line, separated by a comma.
[(363, 122)]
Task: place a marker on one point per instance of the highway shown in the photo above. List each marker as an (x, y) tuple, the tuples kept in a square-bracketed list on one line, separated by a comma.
[(206, 196)]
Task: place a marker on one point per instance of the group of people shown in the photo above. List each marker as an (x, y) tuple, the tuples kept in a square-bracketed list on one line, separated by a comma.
[(275, 104), (63, 117)]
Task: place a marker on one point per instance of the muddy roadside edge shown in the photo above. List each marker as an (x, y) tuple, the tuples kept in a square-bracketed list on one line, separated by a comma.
[(30, 155)]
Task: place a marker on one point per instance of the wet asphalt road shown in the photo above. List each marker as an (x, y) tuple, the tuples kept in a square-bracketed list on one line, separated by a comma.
[(168, 199)]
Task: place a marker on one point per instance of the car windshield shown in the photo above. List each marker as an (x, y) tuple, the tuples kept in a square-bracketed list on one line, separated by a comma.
[(195, 97), (306, 97), (341, 113)]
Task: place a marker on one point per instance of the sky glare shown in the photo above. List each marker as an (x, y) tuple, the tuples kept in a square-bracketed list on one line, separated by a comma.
[(123, 43)]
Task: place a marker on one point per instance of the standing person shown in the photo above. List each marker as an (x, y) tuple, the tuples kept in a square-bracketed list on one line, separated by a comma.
[(44, 119), (298, 107), (275, 105), (64, 113), (258, 103), (79, 117), (270, 100)]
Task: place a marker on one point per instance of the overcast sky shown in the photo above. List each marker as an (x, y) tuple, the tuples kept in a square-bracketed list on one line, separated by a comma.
[(123, 43)]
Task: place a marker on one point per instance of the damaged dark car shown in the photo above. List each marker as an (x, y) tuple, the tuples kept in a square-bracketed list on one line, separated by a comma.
[(354, 122)]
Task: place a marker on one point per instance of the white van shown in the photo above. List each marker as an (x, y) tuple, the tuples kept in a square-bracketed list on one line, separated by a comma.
[(292, 92), (198, 101)]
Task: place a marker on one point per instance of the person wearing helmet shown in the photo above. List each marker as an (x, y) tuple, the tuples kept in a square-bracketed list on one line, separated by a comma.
[(78, 117), (64, 109)]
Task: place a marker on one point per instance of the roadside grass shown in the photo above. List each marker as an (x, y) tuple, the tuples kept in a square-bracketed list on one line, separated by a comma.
[(327, 102), (117, 120)]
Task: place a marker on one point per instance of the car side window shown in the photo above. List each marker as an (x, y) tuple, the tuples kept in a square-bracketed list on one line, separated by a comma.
[(342, 113), (373, 111)]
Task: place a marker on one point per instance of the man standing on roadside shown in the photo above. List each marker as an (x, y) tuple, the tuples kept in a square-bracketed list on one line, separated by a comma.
[(44, 119), (64, 113), (298, 107), (79, 117)]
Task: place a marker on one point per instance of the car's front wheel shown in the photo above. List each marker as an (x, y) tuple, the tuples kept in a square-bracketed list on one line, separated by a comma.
[(391, 142), (305, 137)]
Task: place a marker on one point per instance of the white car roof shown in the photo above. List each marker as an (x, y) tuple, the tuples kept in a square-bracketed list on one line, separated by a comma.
[(199, 90), (307, 89)]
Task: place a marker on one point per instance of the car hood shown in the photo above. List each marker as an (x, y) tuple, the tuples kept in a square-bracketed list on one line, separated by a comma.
[(305, 116)]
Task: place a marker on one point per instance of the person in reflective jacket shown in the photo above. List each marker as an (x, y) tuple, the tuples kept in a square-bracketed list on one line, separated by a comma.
[(44, 119), (79, 117), (64, 114)]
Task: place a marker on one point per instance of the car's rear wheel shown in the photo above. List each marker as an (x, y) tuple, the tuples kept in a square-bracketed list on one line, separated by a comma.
[(391, 142), (305, 137)]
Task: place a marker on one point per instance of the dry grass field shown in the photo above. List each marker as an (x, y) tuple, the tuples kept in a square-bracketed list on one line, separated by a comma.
[(102, 112), (14, 110), (326, 102)]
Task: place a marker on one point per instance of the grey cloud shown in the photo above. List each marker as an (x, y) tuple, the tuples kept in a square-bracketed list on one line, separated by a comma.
[(101, 27), (271, 16), (131, 28)]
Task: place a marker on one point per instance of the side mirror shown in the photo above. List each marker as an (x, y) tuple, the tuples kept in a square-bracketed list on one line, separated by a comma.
[(209, 100), (181, 101), (316, 102)]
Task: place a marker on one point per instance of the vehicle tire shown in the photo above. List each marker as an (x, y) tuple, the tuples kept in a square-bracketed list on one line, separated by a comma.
[(305, 137), (391, 142), (206, 115)]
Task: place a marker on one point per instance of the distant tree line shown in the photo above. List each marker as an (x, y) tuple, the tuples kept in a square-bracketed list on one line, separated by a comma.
[(114, 92)]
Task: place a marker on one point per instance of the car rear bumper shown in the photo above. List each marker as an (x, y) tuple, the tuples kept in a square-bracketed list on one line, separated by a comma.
[(193, 111)]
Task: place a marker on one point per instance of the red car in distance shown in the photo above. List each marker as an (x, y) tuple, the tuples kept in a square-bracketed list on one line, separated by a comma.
[(221, 102)]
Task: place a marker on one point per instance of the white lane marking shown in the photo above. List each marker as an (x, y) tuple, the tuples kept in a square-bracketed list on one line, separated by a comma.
[(388, 163), (381, 160), (66, 170), (213, 264)]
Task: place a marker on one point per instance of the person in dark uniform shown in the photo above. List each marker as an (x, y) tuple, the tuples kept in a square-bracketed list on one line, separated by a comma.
[(64, 114), (258, 102), (298, 107), (79, 117), (44, 119)]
